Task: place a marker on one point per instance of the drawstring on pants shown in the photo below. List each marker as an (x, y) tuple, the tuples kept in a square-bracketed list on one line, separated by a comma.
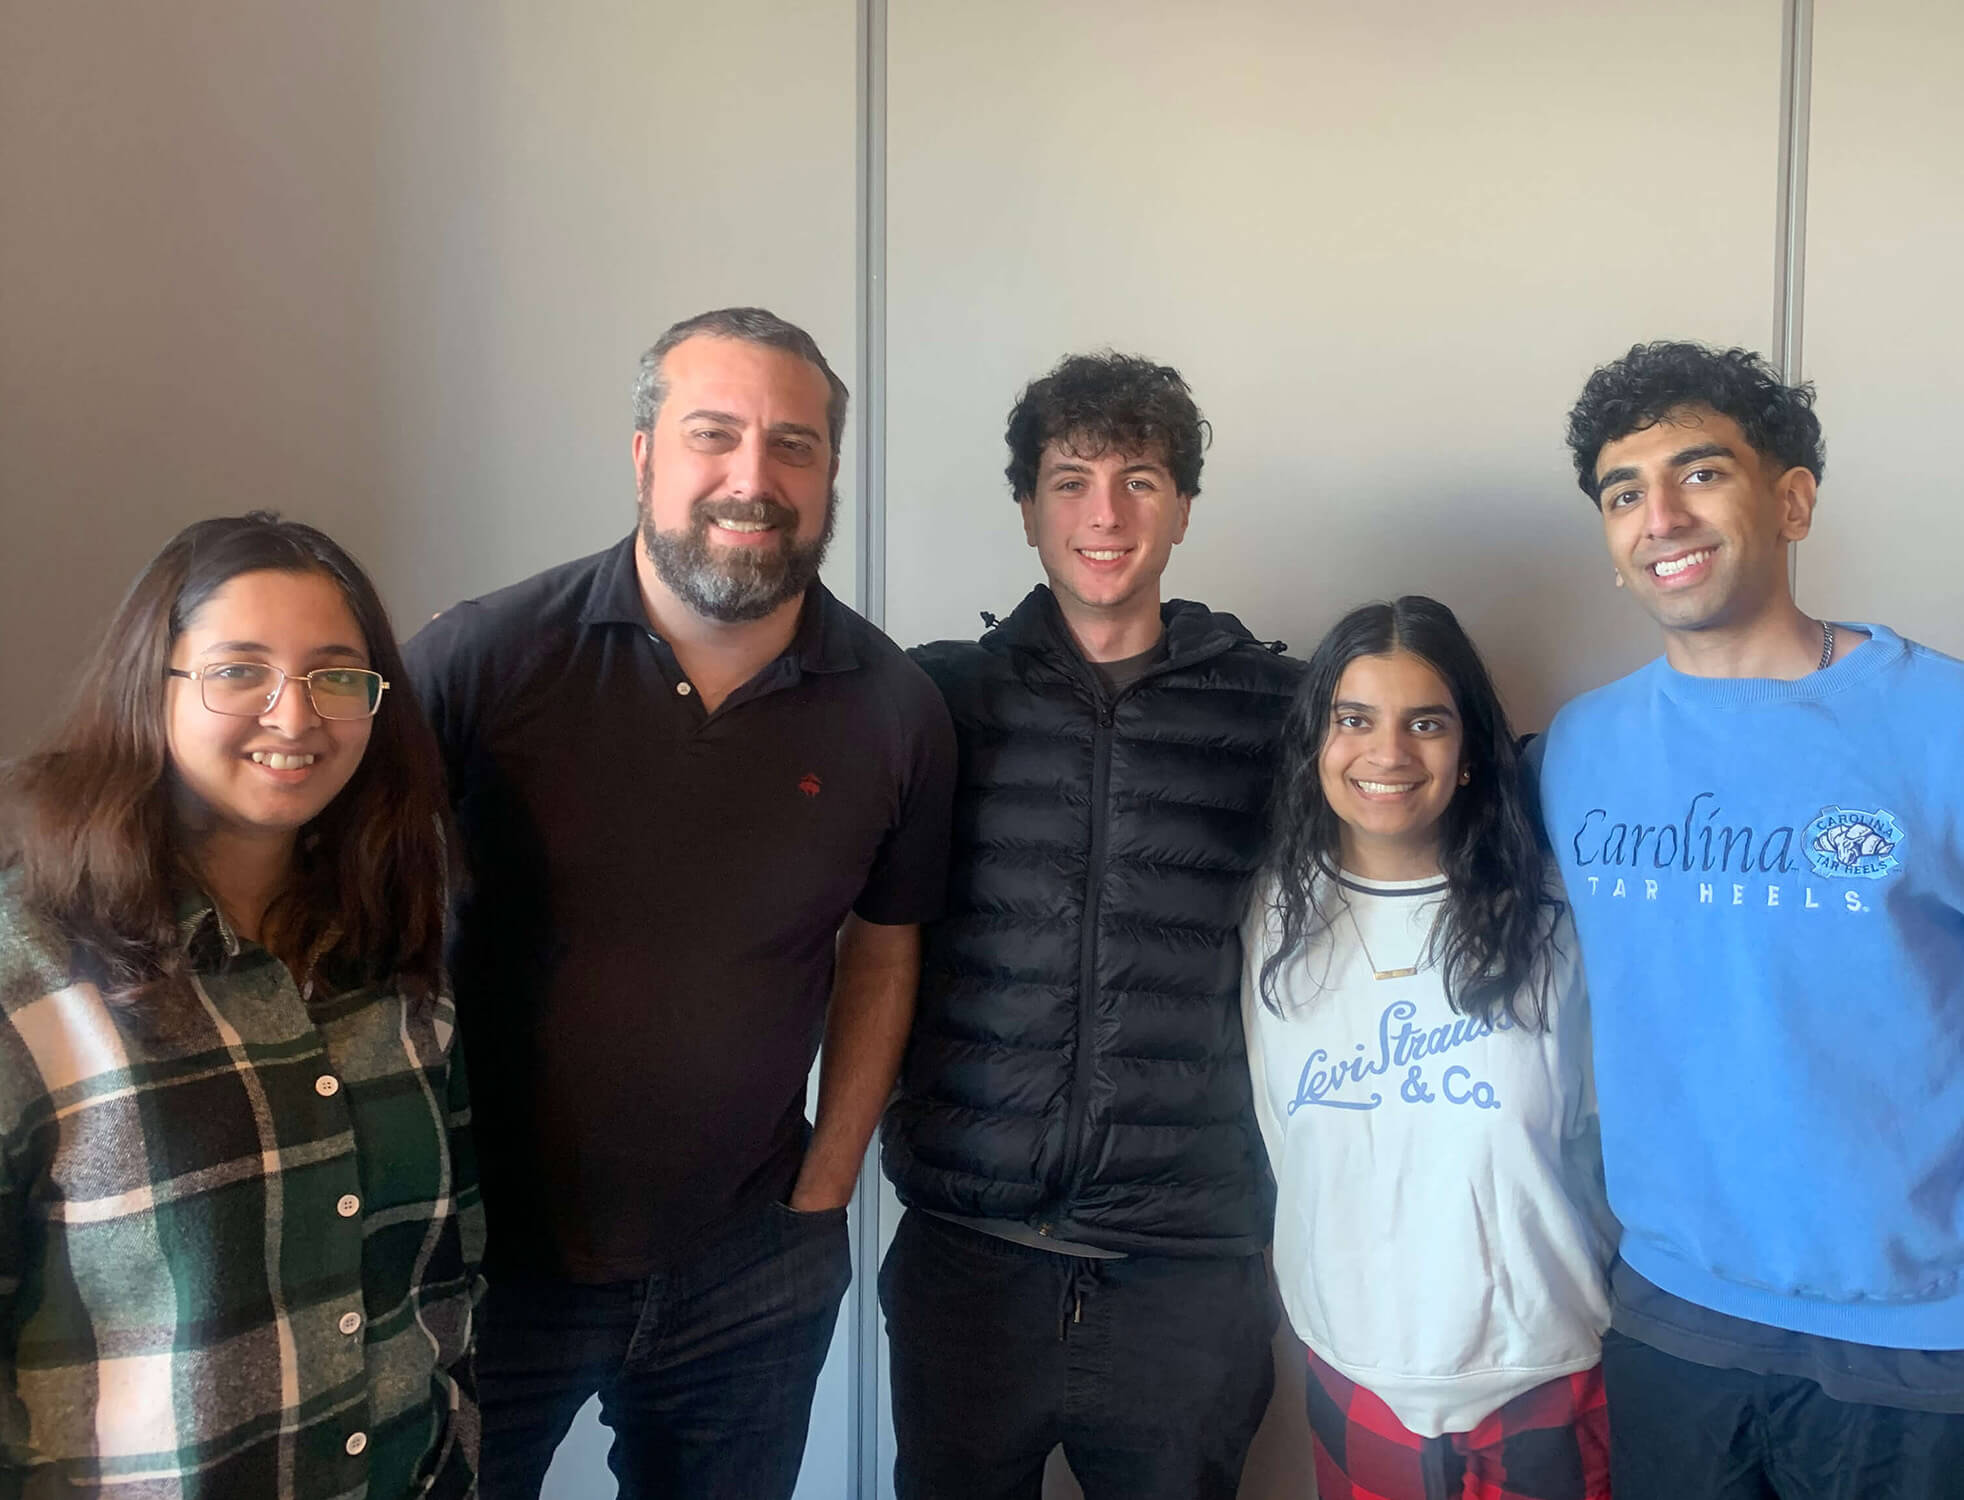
[(1080, 1275)]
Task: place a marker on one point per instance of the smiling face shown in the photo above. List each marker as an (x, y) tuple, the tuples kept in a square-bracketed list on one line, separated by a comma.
[(1104, 527), (1391, 761), (1697, 523), (736, 477), (270, 774)]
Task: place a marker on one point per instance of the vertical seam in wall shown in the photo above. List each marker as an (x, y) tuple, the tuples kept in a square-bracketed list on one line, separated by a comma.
[(870, 191), (871, 188), (1790, 248)]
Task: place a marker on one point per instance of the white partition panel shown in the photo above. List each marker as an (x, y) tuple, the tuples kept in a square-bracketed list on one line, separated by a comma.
[(1885, 315), (1385, 243)]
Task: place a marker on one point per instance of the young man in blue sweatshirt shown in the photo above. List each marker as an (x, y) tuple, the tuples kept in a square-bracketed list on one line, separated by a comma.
[(1762, 834)]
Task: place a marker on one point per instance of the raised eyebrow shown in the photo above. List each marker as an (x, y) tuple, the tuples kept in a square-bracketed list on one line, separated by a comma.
[(336, 649), (1702, 450), (703, 413), (1424, 710), (1614, 476)]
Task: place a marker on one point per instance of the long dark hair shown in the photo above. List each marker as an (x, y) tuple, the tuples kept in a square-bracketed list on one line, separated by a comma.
[(87, 819), (1492, 941)]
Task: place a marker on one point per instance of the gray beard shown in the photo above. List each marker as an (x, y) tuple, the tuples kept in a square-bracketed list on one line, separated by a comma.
[(732, 585)]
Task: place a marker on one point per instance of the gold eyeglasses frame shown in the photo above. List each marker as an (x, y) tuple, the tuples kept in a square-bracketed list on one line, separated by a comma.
[(202, 675)]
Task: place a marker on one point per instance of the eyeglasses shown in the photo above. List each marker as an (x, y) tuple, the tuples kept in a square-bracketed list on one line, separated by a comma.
[(250, 689)]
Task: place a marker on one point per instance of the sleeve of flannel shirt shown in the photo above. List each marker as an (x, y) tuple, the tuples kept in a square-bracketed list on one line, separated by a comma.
[(15, 1438), (458, 1478), (463, 1174)]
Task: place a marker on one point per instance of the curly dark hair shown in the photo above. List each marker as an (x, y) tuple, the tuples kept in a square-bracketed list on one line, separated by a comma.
[(1106, 402), (1494, 937), (1653, 380)]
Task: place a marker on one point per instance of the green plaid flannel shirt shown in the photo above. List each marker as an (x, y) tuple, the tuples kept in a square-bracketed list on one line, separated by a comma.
[(239, 1242)]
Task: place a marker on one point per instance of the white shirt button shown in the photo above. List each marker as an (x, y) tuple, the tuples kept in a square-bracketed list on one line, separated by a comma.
[(327, 1085), (356, 1442), (684, 689), (347, 1205), (351, 1322)]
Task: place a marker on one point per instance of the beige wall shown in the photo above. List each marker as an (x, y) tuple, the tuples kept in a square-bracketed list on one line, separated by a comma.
[(1885, 316), (1386, 244), (384, 267), (186, 313)]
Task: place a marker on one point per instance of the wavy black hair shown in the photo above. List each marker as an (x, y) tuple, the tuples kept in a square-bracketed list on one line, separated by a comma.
[(1493, 937), (1652, 381), (1103, 403)]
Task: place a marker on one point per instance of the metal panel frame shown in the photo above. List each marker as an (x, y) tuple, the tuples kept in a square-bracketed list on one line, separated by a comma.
[(863, 1343), (1790, 247)]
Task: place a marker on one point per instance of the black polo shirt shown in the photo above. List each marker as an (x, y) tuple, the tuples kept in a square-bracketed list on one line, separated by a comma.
[(643, 957)]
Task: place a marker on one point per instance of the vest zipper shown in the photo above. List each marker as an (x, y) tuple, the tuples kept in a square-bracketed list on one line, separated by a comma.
[(1106, 711)]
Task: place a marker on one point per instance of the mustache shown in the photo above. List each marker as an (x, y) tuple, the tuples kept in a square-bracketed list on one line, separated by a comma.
[(771, 512)]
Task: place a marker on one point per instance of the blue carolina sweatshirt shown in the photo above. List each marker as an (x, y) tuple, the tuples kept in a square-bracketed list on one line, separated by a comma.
[(1768, 880)]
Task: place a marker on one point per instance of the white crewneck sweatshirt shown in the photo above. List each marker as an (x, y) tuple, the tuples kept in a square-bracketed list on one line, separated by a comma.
[(1441, 1234)]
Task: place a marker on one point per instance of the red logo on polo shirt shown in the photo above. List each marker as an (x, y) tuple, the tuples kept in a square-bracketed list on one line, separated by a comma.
[(809, 784)]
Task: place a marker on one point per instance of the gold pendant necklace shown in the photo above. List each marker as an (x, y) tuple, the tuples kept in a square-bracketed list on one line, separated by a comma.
[(1376, 973)]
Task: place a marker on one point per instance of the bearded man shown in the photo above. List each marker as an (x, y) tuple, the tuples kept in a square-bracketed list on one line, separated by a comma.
[(705, 810)]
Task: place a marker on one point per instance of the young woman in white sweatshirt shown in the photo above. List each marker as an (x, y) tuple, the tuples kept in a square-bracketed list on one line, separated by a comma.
[(1418, 1038)]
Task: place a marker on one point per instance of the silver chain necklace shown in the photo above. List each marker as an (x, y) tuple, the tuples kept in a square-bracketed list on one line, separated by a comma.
[(1376, 973), (1827, 645)]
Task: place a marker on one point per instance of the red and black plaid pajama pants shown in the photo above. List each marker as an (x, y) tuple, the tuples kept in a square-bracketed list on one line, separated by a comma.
[(1550, 1443)]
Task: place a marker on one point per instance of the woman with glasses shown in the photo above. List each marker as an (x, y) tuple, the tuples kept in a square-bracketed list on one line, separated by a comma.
[(1419, 1043), (239, 1226)]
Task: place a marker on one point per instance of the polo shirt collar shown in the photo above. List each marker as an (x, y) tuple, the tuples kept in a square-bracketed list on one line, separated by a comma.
[(614, 598), (823, 642)]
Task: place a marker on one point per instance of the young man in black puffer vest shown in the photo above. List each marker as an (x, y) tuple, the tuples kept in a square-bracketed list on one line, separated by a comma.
[(1087, 1196)]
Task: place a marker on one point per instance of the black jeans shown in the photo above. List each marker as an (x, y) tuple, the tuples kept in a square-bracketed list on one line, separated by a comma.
[(705, 1373), (1684, 1431), (1152, 1371)]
